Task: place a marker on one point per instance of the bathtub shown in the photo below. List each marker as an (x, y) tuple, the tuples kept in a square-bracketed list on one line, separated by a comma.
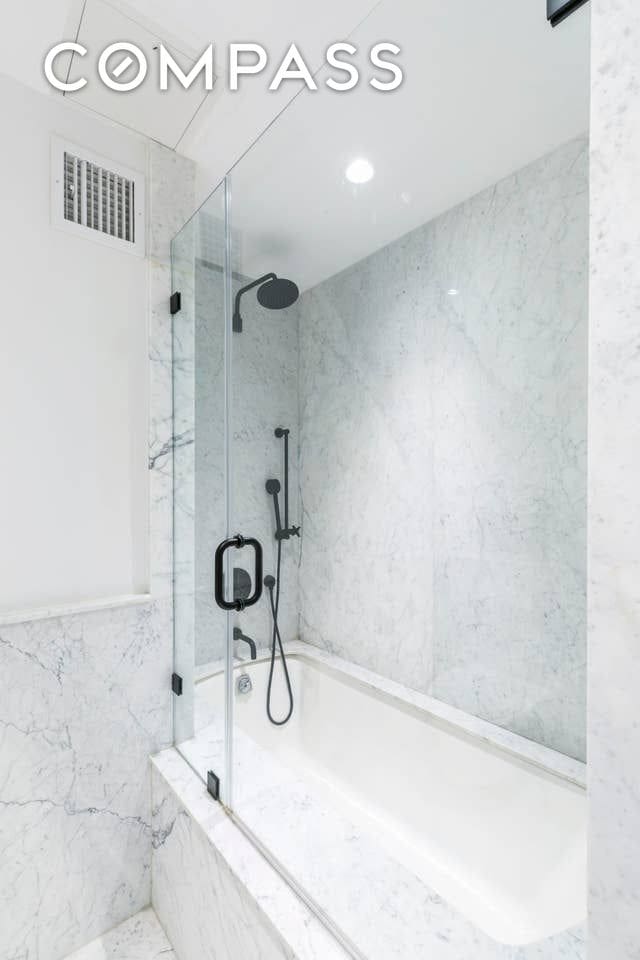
[(494, 824)]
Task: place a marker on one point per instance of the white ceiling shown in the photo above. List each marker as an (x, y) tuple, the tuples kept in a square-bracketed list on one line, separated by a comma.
[(489, 87), (161, 116), (186, 27)]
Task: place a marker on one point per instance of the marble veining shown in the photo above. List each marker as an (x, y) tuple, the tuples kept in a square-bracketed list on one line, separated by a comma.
[(139, 938), (614, 469), (443, 455), (84, 704)]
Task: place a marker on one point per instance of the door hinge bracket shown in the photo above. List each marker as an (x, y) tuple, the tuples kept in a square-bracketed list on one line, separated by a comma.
[(175, 303), (176, 684), (559, 10), (213, 784)]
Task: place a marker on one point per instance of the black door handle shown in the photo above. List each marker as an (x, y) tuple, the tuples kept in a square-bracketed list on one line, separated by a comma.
[(240, 603)]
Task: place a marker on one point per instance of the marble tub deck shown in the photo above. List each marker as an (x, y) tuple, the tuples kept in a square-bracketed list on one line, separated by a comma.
[(139, 938), (380, 909)]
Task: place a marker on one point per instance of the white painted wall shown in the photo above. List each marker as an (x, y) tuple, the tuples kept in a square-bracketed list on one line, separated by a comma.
[(73, 376)]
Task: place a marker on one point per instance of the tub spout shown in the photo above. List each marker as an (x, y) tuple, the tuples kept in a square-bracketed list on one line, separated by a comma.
[(239, 635)]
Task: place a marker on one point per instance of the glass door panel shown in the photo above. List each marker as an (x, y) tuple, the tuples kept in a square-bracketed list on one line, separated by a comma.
[(201, 521)]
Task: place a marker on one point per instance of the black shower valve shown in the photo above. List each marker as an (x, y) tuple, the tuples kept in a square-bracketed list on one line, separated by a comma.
[(286, 534)]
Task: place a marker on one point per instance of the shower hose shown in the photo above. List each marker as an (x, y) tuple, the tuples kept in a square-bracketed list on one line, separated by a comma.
[(273, 586)]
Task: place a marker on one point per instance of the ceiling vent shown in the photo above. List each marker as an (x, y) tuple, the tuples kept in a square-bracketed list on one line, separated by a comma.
[(95, 197)]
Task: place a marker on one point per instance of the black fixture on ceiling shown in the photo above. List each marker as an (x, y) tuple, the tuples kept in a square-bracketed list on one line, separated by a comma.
[(273, 292), (559, 10)]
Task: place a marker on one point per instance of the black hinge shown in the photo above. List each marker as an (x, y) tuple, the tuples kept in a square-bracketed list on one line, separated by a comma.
[(213, 784), (559, 10), (175, 303), (176, 684)]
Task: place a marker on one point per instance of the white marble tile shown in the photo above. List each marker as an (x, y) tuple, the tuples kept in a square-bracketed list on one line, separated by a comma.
[(614, 481), (139, 938), (510, 374), (71, 609), (86, 704), (366, 471), (217, 897), (443, 455)]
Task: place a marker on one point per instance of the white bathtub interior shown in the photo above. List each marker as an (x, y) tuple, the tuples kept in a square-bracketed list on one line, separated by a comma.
[(500, 838)]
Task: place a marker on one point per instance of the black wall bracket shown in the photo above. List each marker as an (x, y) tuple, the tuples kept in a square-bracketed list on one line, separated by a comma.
[(176, 684), (213, 784), (175, 303), (559, 10)]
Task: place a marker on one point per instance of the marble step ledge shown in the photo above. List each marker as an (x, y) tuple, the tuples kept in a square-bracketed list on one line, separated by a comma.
[(213, 892)]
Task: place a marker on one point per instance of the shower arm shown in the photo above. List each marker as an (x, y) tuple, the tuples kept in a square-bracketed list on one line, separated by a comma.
[(237, 319)]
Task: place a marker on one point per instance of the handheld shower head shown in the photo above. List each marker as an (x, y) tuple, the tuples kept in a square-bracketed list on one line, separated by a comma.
[(272, 486)]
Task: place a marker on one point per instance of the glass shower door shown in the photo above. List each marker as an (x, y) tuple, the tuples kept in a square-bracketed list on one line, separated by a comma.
[(201, 494)]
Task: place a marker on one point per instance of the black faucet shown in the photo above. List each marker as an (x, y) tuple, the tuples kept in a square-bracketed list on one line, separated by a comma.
[(239, 635)]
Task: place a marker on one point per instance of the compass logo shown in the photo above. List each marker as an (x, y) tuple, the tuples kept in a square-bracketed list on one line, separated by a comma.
[(123, 67)]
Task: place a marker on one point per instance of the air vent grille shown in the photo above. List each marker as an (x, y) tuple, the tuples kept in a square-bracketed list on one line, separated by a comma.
[(98, 198)]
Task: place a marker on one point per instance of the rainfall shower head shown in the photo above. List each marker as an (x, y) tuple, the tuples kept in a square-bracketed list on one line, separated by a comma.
[(274, 292), (278, 293)]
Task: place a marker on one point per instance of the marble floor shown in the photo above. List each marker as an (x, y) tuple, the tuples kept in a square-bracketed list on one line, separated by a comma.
[(139, 938)]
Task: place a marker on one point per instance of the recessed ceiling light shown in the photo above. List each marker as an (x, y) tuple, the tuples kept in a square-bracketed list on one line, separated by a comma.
[(452, 292), (359, 171)]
